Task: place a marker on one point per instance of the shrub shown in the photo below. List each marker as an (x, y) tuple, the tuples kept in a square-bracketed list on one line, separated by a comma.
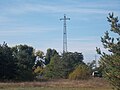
[(81, 72)]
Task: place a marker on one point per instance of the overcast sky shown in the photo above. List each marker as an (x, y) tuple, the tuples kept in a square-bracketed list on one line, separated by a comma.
[(37, 23)]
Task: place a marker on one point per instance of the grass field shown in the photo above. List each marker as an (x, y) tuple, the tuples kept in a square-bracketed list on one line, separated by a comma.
[(92, 84), (53, 88)]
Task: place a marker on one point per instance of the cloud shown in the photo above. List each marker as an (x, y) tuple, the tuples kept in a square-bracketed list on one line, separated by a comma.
[(83, 8), (25, 30), (90, 38)]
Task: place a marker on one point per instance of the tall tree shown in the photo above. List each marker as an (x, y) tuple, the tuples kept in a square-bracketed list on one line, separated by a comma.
[(7, 63), (50, 53), (25, 59), (111, 62), (70, 61), (54, 68)]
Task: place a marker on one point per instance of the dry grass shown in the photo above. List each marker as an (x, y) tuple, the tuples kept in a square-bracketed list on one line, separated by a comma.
[(64, 83)]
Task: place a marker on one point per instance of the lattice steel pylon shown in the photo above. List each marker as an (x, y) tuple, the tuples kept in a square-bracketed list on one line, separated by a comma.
[(64, 33)]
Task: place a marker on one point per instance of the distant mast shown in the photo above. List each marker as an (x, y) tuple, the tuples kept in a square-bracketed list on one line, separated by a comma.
[(64, 33)]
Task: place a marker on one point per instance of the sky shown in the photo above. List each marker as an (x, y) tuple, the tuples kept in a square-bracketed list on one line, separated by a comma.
[(37, 24)]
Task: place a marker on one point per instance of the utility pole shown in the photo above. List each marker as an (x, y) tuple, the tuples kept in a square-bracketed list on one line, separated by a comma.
[(64, 33)]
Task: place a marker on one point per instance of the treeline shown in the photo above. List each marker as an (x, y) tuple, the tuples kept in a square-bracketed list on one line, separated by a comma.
[(16, 63), (23, 63)]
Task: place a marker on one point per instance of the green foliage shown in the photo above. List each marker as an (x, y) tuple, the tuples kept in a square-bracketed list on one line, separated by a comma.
[(39, 53), (7, 63), (61, 67), (111, 62), (54, 69), (50, 53), (18, 63), (81, 72), (70, 61), (25, 59), (38, 70)]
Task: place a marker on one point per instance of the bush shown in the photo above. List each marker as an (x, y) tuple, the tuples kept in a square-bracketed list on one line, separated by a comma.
[(81, 72), (39, 70)]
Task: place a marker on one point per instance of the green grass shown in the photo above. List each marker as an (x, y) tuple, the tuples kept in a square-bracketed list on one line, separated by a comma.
[(52, 88)]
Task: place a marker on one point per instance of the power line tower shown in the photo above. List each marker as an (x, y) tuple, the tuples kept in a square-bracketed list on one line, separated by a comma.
[(64, 33)]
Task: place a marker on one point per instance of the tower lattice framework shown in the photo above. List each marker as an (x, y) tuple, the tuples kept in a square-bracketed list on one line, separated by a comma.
[(64, 33)]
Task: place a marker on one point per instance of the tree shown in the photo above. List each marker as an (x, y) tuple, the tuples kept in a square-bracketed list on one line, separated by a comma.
[(62, 66), (40, 54), (50, 53), (7, 63), (70, 61), (25, 59), (111, 62), (54, 68), (80, 72)]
